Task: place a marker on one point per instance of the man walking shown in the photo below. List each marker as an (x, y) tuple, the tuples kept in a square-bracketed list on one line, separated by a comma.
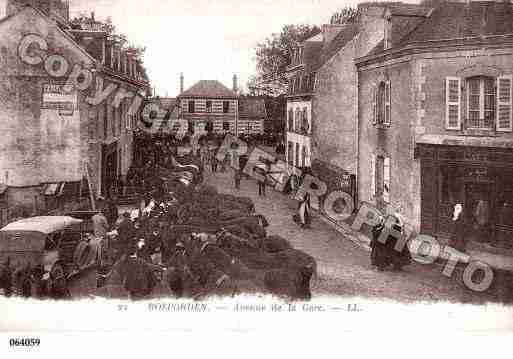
[(237, 177), (100, 224)]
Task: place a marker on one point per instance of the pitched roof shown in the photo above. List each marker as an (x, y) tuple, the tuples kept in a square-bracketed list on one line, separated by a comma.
[(208, 88), (344, 36), (408, 10), (460, 20), (252, 107)]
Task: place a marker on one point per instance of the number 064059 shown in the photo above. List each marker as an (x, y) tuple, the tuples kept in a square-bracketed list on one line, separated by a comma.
[(24, 342)]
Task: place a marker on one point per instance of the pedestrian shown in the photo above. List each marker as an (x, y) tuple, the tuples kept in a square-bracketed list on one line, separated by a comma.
[(100, 224), (126, 231), (226, 161), (213, 160), (304, 211), (237, 177), (120, 186), (261, 188), (385, 253), (139, 279), (262, 178), (6, 278), (457, 240), (111, 212)]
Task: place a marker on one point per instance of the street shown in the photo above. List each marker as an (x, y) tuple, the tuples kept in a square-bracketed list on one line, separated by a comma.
[(344, 268)]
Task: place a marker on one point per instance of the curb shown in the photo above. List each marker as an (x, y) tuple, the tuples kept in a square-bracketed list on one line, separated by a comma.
[(359, 239)]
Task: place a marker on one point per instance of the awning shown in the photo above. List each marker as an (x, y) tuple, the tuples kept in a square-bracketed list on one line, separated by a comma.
[(69, 189), (470, 141), (3, 188), (51, 189)]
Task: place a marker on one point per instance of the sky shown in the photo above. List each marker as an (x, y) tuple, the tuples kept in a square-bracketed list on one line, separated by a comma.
[(206, 40)]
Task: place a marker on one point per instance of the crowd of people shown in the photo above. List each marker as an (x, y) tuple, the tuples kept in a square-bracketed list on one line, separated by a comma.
[(191, 238)]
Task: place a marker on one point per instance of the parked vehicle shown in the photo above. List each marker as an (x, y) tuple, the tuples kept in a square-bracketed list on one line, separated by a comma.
[(43, 249)]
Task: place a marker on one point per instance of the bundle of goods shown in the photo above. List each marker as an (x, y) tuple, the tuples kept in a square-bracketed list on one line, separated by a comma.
[(209, 244)]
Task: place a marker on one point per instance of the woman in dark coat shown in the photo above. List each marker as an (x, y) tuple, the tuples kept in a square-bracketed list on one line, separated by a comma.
[(457, 240), (385, 254)]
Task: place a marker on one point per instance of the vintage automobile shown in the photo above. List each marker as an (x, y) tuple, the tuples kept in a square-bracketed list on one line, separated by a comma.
[(49, 247)]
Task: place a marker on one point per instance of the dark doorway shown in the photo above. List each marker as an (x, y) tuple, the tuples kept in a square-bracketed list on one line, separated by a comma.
[(478, 208), (109, 167)]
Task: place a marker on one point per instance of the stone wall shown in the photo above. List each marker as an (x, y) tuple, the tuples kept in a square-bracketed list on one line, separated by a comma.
[(395, 142)]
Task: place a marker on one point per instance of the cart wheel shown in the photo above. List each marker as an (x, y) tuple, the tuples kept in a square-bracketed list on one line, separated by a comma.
[(57, 271)]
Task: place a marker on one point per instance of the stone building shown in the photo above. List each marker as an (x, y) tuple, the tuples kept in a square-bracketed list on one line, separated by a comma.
[(252, 115), (57, 135), (209, 104), (435, 119), (301, 79)]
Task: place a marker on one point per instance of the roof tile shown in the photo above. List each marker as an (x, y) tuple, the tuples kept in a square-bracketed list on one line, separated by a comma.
[(208, 88)]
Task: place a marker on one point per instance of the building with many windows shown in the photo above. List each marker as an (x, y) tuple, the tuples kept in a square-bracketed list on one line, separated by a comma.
[(55, 136), (435, 120), (209, 105), (299, 101)]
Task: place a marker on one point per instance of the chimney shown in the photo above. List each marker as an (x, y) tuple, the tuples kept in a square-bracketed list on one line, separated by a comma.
[(181, 82), (235, 86)]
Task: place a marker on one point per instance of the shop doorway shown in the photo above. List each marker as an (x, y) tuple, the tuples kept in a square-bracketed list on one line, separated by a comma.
[(478, 211), (109, 168)]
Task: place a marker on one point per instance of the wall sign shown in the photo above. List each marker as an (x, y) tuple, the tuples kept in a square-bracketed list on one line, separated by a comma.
[(54, 98)]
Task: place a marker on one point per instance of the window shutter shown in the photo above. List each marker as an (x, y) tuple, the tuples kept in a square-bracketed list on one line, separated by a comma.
[(373, 175), (387, 103), (504, 103), (374, 105), (453, 103), (386, 180)]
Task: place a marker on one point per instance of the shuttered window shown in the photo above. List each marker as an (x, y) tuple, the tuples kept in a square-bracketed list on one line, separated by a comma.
[(387, 105), (380, 177), (373, 175), (504, 122), (453, 103), (304, 120), (382, 104), (386, 180), (374, 106)]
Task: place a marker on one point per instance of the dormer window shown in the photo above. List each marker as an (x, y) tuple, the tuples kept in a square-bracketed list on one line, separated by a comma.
[(387, 36)]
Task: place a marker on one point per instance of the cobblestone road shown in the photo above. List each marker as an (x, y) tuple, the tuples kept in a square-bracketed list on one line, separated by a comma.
[(344, 267)]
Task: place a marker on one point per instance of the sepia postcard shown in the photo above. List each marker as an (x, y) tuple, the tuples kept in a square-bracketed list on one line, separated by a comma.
[(323, 177)]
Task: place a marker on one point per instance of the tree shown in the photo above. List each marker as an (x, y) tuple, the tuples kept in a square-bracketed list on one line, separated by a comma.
[(274, 55), (347, 15)]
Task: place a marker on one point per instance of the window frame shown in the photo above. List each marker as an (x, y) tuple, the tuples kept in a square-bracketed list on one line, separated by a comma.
[(481, 102), (191, 105), (382, 108), (226, 106)]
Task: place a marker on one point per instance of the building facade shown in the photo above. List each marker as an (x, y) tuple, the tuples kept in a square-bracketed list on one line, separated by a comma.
[(56, 138), (252, 115), (209, 105), (301, 77), (438, 128)]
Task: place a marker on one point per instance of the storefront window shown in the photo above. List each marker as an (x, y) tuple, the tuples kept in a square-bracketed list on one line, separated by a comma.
[(504, 203), (450, 185)]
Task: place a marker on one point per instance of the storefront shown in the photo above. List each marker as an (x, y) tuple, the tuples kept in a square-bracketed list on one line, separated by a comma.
[(480, 178)]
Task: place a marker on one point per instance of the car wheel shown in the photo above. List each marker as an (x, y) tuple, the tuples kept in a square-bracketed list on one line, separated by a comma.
[(57, 271)]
